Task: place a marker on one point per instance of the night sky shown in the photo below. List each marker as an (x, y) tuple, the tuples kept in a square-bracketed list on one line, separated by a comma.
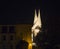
[(22, 11)]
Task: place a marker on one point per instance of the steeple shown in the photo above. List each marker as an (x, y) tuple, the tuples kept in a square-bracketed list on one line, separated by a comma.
[(35, 17), (36, 26), (39, 19), (37, 23)]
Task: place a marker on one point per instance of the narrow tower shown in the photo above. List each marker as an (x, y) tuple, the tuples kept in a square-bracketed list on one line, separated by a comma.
[(36, 26)]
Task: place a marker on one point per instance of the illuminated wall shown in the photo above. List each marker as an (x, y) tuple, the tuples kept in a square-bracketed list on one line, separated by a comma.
[(23, 31)]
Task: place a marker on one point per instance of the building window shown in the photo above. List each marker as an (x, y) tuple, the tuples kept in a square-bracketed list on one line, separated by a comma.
[(4, 37), (11, 37), (11, 29), (4, 29)]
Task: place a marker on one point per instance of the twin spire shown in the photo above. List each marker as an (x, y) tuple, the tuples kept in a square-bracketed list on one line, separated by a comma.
[(37, 23), (37, 20)]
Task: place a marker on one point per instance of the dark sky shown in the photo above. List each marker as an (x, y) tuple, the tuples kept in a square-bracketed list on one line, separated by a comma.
[(22, 11)]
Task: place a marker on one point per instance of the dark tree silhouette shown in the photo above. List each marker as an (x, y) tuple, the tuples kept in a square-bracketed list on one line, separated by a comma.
[(22, 44)]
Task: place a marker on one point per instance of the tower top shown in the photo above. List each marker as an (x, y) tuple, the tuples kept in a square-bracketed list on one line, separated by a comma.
[(37, 23)]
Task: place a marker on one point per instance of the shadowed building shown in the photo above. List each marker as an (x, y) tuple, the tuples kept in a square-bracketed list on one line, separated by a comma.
[(22, 44)]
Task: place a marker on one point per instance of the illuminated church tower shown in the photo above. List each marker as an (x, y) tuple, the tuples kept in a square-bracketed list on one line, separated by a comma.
[(36, 25)]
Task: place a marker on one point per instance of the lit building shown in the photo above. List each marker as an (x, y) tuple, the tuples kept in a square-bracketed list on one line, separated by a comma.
[(11, 34)]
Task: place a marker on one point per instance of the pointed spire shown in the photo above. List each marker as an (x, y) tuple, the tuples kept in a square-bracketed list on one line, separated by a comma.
[(37, 23), (35, 17), (39, 19)]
